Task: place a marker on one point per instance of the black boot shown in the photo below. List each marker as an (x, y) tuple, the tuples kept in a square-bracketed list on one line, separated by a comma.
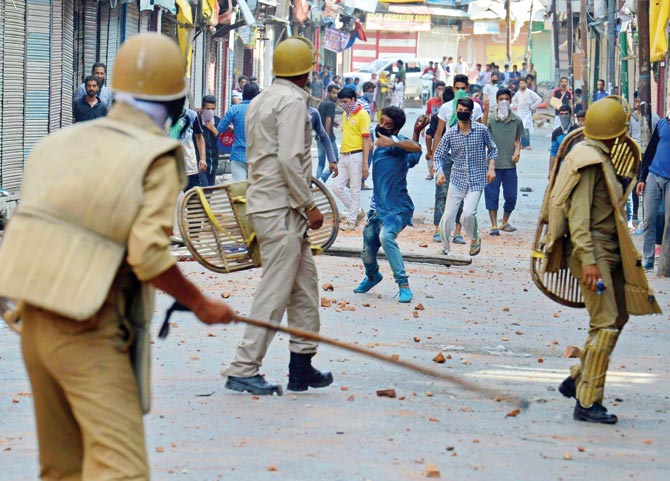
[(301, 374), (595, 414), (255, 385), (568, 387)]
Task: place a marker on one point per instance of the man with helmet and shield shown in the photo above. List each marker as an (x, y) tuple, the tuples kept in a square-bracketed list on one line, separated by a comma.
[(586, 223), (281, 209), (82, 257)]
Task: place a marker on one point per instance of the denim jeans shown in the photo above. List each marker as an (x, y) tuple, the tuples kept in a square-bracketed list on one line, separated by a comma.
[(193, 181), (378, 233), (322, 170), (238, 170), (656, 196)]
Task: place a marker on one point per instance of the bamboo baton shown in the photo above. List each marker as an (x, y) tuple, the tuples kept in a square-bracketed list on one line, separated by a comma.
[(412, 366)]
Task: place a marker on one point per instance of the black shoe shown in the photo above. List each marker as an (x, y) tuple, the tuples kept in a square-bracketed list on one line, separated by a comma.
[(255, 385), (595, 414), (301, 374), (568, 387)]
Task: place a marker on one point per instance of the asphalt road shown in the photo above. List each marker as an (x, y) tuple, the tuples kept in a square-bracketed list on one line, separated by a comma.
[(490, 322)]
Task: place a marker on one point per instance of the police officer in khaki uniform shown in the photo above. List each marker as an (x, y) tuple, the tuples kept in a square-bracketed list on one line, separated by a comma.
[(586, 205), (82, 255), (280, 208)]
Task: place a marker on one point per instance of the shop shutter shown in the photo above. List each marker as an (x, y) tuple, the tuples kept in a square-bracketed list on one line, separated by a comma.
[(2, 76), (90, 38), (132, 20), (103, 35), (69, 76), (13, 69), (38, 66), (145, 21), (56, 66), (113, 39)]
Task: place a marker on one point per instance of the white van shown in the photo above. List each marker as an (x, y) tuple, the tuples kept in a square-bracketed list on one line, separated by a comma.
[(413, 65)]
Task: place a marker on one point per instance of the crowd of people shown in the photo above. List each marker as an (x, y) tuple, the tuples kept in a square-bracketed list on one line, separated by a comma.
[(76, 342)]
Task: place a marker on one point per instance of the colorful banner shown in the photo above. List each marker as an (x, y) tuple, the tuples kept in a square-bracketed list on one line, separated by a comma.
[(395, 22), (335, 40), (659, 12)]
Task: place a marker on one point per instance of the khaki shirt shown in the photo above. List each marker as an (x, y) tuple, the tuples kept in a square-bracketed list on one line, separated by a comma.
[(279, 149)]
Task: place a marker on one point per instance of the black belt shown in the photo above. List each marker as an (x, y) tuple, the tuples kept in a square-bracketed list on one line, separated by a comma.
[(352, 152)]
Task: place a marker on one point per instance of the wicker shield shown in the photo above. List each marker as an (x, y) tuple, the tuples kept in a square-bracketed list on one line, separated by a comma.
[(213, 224), (556, 281)]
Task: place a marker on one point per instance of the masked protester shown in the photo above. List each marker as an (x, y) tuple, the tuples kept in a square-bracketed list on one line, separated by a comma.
[(391, 208), (559, 133), (506, 128), (587, 226), (474, 156), (83, 257)]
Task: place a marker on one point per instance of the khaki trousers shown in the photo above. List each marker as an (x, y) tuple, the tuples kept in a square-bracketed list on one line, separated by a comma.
[(89, 421), (607, 310), (289, 284)]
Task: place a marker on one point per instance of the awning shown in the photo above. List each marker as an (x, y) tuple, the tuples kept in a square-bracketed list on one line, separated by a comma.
[(423, 10)]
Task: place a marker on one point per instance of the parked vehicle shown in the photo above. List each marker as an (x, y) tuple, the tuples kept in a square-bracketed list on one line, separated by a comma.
[(427, 80), (414, 67)]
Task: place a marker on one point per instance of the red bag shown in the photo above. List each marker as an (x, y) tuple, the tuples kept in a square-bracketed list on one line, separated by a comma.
[(225, 142)]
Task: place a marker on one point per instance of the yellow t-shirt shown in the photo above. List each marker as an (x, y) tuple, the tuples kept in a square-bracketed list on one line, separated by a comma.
[(354, 128)]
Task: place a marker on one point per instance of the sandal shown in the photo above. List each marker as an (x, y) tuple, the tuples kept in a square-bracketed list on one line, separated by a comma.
[(476, 247), (508, 228), (494, 231), (458, 239)]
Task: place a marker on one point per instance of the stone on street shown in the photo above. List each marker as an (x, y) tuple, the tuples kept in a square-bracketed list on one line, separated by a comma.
[(490, 322)]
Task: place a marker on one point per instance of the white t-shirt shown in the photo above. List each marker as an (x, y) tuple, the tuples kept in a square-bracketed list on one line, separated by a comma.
[(447, 110), (461, 68)]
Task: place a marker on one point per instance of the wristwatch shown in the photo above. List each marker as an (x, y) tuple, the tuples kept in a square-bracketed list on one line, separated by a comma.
[(395, 140)]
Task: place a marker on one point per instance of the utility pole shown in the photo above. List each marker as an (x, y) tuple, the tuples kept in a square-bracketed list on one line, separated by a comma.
[(584, 30), (508, 24), (611, 42), (554, 28), (527, 55), (571, 72)]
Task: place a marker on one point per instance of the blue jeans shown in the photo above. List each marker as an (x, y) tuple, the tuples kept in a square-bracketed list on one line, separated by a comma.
[(656, 198), (378, 233), (322, 170), (193, 181), (525, 139), (510, 183)]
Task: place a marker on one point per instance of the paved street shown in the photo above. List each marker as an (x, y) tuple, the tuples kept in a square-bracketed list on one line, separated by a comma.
[(491, 323)]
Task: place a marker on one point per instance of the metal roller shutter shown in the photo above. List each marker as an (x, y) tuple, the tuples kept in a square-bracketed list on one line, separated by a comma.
[(145, 21), (113, 39), (90, 38), (38, 66), (132, 20), (103, 35), (56, 66), (2, 76), (13, 67), (69, 76)]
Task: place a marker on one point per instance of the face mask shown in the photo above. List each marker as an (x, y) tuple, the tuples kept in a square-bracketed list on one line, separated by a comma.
[(463, 116), (349, 108), (207, 115), (565, 122), (503, 109), (494, 81), (382, 131)]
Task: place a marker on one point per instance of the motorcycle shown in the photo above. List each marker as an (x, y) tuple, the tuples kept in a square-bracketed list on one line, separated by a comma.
[(426, 87)]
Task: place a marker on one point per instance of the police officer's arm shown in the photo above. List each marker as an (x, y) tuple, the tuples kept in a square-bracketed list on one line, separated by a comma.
[(579, 223), (148, 244)]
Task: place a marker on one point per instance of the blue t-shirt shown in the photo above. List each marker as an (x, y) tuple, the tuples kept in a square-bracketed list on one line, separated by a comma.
[(661, 164), (390, 166), (235, 116)]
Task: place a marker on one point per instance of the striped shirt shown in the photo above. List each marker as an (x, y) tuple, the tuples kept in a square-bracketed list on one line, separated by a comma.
[(469, 156)]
